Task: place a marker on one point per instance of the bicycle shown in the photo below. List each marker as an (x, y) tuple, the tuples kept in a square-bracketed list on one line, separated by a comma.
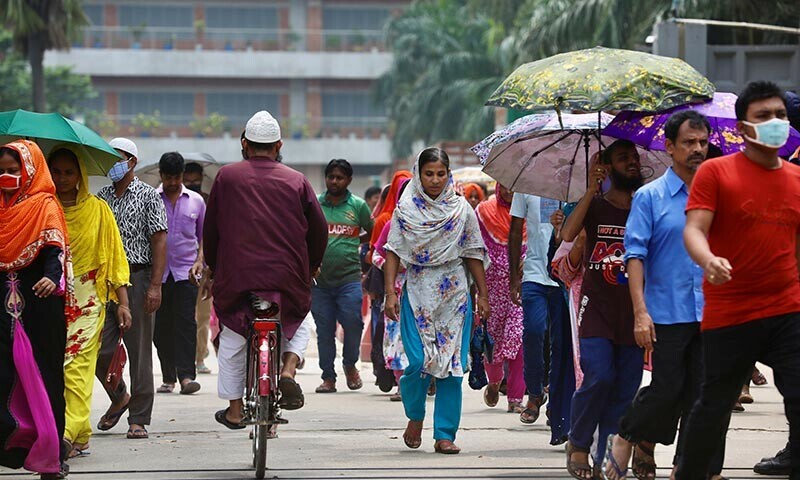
[(261, 407)]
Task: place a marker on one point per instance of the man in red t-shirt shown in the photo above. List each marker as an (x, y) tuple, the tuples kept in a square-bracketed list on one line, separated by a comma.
[(742, 223)]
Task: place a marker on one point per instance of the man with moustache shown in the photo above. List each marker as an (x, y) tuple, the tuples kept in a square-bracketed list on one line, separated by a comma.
[(666, 290), (610, 359)]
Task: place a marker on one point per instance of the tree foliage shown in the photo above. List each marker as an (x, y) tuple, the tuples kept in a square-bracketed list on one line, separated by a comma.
[(449, 55), (40, 25), (67, 92)]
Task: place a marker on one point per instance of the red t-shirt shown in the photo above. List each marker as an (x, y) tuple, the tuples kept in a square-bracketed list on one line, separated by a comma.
[(755, 227)]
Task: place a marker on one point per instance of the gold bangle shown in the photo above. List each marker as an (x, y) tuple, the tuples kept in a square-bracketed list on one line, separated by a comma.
[(125, 307), (386, 294)]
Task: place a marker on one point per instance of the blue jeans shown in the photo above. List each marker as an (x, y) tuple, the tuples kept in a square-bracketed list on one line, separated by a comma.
[(540, 303), (611, 377), (337, 304)]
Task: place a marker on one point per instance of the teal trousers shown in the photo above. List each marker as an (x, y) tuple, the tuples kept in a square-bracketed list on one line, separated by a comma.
[(414, 384)]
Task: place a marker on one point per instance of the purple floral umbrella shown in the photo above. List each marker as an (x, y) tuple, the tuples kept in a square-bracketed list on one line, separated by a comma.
[(647, 129)]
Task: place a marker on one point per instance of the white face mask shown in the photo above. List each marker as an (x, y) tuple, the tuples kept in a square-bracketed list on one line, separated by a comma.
[(771, 134)]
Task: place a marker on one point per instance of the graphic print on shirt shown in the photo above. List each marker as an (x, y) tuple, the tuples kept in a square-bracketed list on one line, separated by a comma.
[(607, 254), (343, 230)]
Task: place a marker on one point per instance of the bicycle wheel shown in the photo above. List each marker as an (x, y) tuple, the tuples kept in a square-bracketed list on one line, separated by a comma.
[(260, 450)]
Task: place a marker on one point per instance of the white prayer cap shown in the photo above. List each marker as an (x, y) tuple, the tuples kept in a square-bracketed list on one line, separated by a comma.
[(262, 128), (125, 145)]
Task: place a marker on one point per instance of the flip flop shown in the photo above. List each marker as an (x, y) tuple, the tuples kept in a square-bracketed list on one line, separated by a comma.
[(221, 417), (166, 388), (291, 394), (137, 434), (110, 420), (189, 387), (612, 462)]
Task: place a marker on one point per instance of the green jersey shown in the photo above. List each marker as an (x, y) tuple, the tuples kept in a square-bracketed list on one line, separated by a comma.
[(346, 219)]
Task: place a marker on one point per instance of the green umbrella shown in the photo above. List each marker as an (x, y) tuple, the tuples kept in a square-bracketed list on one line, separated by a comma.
[(50, 130), (600, 79)]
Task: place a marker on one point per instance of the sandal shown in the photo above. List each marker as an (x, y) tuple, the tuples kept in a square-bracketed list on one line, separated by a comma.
[(491, 395), (575, 468), (78, 450), (166, 388), (758, 378), (532, 409), (137, 434), (611, 463), (446, 447), (222, 417), (644, 464), (110, 420), (515, 407), (413, 434), (291, 394)]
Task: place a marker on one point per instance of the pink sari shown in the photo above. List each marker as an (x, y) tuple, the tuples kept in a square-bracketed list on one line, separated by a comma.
[(29, 404)]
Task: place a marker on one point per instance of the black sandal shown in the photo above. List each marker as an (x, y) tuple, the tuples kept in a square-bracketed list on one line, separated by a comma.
[(291, 394), (643, 465), (222, 417), (532, 410), (574, 467)]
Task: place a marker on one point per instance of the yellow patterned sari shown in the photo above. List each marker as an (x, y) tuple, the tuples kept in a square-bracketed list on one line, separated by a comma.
[(100, 267)]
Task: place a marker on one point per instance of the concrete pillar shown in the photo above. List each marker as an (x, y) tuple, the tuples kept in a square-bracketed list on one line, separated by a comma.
[(685, 41), (314, 26), (314, 105)]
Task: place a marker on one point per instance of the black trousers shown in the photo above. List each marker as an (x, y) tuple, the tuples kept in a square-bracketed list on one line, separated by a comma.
[(175, 335), (674, 387), (729, 354)]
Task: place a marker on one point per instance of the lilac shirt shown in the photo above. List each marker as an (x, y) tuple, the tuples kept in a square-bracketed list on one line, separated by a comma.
[(185, 220)]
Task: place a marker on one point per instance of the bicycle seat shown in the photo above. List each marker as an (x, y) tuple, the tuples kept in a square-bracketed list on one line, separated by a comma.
[(265, 304)]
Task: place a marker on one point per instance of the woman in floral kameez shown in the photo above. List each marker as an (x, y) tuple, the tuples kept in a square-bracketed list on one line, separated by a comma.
[(435, 234), (101, 274), (36, 291), (505, 323)]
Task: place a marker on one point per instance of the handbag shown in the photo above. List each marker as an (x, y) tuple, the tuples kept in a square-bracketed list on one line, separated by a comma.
[(116, 367)]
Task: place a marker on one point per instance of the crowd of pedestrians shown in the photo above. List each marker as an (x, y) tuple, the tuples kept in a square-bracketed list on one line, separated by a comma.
[(693, 276)]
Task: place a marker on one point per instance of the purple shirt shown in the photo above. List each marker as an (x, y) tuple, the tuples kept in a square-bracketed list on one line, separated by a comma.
[(185, 220)]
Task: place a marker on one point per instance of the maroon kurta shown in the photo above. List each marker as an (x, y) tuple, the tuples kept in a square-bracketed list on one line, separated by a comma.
[(264, 231)]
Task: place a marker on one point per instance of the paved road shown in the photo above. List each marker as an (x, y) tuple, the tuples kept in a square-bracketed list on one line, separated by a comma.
[(357, 435)]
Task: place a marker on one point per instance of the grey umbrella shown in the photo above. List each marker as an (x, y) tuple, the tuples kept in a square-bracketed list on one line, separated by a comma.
[(148, 171)]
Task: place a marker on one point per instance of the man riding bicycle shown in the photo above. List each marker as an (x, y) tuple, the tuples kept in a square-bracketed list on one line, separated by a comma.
[(264, 232)]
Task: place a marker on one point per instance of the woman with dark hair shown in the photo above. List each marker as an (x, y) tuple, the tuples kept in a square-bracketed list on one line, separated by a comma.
[(435, 234), (36, 288), (101, 275)]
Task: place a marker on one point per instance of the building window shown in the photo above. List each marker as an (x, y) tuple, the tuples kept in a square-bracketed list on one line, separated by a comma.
[(257, 26), (94, 13), (174, 108), (239, 107), (354, 17), (351, 109), (353, 27), (150, 22)]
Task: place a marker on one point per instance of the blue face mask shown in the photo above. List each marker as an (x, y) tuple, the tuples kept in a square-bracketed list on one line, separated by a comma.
[(118, 171), (771, 134)]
